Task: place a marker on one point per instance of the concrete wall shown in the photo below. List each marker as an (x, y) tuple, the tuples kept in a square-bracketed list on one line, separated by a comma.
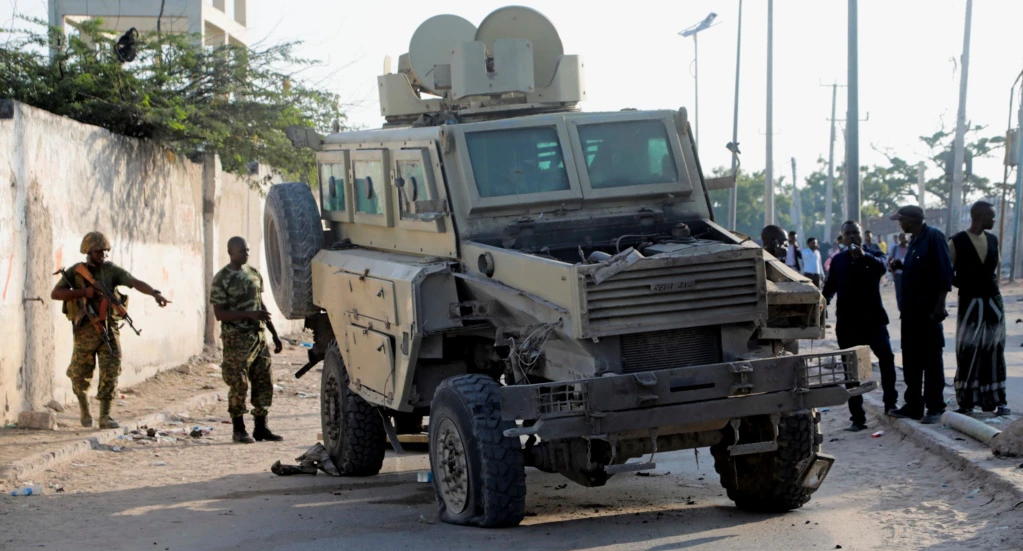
[(60, 179)]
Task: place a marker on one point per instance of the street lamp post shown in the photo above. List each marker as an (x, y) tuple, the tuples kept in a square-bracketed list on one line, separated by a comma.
[(693, 31)]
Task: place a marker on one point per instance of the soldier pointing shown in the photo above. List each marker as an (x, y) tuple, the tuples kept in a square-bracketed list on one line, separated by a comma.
[(96, 323)]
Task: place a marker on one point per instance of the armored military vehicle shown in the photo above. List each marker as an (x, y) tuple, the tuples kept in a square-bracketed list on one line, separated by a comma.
[(547, 286)]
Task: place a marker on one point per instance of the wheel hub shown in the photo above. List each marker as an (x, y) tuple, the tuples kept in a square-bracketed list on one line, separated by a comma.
[(453, 475)]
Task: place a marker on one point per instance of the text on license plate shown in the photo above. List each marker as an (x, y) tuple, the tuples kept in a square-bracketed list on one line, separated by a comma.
[(672, 286)]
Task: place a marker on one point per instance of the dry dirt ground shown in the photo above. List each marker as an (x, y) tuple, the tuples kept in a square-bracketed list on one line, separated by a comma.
[(209, 493)]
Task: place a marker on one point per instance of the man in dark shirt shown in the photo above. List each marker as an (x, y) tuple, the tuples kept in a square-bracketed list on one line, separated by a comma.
[(855, 277), (926, 280)]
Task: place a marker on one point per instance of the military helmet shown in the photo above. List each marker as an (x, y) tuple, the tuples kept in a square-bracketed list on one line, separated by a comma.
[(94, 240)]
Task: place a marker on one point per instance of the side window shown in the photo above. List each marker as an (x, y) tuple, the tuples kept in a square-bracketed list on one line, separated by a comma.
[(412, 186), (332, 184), (369, 186)]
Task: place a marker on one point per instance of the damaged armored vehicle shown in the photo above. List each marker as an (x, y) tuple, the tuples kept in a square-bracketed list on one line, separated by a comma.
[(547, 287)]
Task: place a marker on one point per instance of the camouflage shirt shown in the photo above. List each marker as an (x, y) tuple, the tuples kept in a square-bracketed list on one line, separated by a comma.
[(239, 291), (109, 274)]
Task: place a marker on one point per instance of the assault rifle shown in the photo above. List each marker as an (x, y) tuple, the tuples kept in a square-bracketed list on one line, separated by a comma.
[(109, 301), (95, 319)]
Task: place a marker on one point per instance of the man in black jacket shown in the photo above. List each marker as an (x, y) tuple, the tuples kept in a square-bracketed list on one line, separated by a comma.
[(855, 277), (926, 281)]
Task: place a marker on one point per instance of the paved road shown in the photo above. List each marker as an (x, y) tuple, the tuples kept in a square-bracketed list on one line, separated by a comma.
[(883, 492)]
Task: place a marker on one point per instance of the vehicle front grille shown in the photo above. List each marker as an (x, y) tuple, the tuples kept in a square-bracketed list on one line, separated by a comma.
[(657, 296), (668, 349)]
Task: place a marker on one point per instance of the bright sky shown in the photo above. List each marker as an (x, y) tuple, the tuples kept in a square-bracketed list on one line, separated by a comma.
[(908, 63)]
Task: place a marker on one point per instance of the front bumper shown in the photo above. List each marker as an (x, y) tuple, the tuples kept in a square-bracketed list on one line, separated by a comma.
[(693, 395)]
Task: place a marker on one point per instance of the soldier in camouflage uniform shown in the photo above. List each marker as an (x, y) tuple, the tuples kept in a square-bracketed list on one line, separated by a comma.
[(237, 298), (78, 296)]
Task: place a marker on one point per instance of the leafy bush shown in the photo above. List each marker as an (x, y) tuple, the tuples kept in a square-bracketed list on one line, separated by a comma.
[(233, 100)]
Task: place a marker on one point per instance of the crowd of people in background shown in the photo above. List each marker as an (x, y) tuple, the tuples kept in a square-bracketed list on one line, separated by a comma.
[(923, 266)]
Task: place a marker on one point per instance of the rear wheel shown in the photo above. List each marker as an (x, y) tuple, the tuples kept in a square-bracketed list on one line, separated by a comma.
[(478, 473), (769, 482), (353, 431)]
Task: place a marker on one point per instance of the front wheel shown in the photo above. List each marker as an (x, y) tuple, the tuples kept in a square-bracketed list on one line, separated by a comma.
[(478, 472), (769, 482)]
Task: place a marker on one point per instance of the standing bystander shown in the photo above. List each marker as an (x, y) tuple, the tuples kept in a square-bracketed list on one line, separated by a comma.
[(855, 278), (980, 331), (898, 254), (926, 280), (868, 242), (812, 267), (793, 259)]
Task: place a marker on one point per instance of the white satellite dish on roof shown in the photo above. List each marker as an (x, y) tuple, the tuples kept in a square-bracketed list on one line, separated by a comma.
[(521, 22), (432, 44)]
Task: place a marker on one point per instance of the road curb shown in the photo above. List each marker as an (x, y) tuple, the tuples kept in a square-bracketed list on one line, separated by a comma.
[(34, 464), (931, 438)]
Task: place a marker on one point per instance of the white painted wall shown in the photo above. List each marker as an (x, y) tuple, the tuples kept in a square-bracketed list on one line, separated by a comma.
[(59, 180)]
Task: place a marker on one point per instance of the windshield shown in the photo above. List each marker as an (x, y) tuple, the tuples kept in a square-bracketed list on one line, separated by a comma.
[(517, 161), (622, 154)]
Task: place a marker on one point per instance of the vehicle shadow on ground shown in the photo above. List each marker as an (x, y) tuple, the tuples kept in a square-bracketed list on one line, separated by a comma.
[(262, 511)]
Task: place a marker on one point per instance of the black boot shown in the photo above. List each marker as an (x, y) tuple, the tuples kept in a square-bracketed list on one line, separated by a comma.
[(262, 433), (240, 434)]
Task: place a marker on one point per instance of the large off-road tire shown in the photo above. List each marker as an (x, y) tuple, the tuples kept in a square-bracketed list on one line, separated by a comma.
[(478, 473), (292, 235), (353, 430), (769, 482)]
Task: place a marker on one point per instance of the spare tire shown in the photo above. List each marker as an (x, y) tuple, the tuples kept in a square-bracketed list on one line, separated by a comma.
[(292, 235)]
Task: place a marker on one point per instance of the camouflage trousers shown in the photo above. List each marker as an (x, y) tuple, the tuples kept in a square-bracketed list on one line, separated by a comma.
[(247, 361), (88, 347)]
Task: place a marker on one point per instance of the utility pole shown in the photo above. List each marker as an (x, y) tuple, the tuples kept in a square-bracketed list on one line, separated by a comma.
[(921, 190), (852, 142), (733, 193), (797, 203), (955, 199), (1019, 194), (769, 169), (830, 191)]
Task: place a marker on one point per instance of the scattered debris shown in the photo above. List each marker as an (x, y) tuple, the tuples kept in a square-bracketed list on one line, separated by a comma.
[(199, 432), (424, 476), (835, 440), (877, 434), (159, 464), (1009, 442), (116, 449), (55, 406), (30, 490), (561, 486), (10, 425), (288, 470), (38, 420), (422, 519), (315, 458), (305, 395), (151, 433)]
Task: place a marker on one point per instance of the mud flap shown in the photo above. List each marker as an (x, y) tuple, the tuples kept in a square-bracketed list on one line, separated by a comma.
[(818, 465)]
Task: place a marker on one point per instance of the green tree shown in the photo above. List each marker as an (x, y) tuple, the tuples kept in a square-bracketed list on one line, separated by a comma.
[(229, 99), (750, 202), (940, 150)]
